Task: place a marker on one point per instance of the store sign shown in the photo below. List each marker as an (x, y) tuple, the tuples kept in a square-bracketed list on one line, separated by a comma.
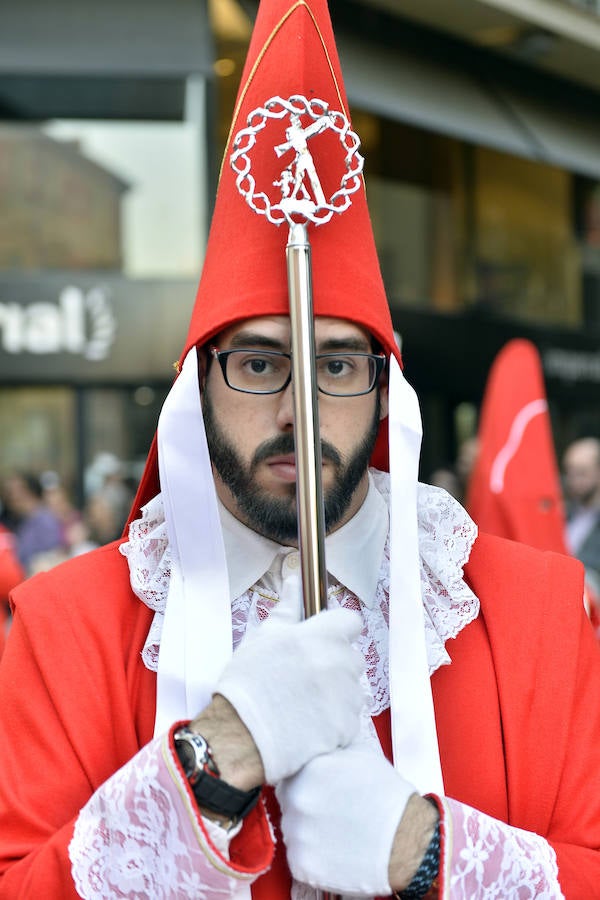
[(79, 322), (84, 328), (573, 366)]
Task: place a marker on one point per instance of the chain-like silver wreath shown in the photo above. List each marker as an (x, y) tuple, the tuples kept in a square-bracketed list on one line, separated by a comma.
[(297, 201)]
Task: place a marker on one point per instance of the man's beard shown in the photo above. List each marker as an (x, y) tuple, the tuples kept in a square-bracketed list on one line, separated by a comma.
[(276, 517)]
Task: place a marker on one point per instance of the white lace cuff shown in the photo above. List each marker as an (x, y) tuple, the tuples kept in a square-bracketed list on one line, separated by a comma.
[(486, 858), (141, 835)]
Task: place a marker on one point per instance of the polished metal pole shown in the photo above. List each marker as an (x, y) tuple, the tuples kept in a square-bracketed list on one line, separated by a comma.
[(309, 491), (307, 436)]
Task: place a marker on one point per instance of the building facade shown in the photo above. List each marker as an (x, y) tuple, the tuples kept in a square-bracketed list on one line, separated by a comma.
[(480, 126)]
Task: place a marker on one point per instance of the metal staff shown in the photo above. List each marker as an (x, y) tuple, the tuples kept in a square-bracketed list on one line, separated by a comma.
[(302, 201), (309, 490)]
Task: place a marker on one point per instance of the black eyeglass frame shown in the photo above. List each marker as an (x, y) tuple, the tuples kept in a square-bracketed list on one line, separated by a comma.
[(222, 356)]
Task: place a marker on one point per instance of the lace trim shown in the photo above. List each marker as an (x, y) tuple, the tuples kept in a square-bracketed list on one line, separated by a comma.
[(139, 836), (149, 558), (446, 536), (484, 857)]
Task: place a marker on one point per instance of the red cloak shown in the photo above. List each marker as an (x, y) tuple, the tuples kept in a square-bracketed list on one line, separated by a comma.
[(518, 711)]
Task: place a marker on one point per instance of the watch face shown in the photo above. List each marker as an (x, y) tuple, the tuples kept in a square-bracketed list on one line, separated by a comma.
[(186, 754)]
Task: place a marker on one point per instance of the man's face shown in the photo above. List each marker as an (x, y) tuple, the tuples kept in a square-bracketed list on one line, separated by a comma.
[(251, 436), (581, 466)]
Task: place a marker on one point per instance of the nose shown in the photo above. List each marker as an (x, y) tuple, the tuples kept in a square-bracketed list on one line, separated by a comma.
[(285, 409)]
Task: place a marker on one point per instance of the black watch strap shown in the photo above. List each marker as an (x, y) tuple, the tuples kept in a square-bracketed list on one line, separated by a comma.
[(222, 798), (210, 791)]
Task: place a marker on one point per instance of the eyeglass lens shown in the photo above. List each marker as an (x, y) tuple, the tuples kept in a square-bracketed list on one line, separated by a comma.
[(340, 374)]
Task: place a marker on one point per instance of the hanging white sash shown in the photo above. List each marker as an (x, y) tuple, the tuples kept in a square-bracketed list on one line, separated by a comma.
[(196, 639), (414, 735)]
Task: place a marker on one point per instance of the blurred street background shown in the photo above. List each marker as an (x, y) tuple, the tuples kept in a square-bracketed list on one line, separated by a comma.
[(480, 126)]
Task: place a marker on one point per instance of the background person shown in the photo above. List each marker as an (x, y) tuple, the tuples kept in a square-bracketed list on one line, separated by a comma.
[(37, 529), (581, 470), (581, 479), (514, 488)]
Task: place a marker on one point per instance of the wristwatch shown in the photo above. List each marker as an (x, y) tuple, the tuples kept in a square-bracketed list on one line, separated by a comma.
[(203, 774)]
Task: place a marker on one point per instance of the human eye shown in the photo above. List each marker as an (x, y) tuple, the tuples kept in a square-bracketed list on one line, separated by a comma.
[(259, 370), (337, 366), (257, 365)]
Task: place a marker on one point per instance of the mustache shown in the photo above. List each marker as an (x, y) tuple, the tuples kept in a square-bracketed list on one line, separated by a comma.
[(284, 444)]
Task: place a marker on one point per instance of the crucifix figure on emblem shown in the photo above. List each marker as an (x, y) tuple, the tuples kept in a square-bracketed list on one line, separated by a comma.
[(302, 167)]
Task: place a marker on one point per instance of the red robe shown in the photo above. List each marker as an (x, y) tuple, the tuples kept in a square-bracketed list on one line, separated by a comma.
[(518, 711)]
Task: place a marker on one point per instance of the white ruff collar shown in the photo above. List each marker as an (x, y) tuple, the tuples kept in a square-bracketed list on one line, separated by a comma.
[(446, 536)]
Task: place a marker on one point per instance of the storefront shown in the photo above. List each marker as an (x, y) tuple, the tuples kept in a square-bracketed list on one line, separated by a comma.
[(104, 179), (483, 178), (85, 363)]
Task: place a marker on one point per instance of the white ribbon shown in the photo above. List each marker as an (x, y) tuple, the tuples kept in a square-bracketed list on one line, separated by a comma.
[(196, 640), (414, 735)]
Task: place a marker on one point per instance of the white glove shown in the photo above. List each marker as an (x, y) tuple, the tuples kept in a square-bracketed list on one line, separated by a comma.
[(340, 814), (297, 688)]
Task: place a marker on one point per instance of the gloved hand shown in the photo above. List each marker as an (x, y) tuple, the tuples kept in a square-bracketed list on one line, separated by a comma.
[(340, 814), (297, 688)]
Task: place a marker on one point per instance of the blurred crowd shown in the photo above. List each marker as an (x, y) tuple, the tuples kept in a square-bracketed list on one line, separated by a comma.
[(41, 525)]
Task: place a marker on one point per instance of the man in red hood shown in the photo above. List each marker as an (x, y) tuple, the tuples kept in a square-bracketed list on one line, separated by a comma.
[(185, 732)]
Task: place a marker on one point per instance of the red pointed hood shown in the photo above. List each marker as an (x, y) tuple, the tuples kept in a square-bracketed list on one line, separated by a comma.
[(292, 52), (514, 490)]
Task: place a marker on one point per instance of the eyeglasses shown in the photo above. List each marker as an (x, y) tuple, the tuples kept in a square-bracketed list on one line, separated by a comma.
[(270, 371)]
